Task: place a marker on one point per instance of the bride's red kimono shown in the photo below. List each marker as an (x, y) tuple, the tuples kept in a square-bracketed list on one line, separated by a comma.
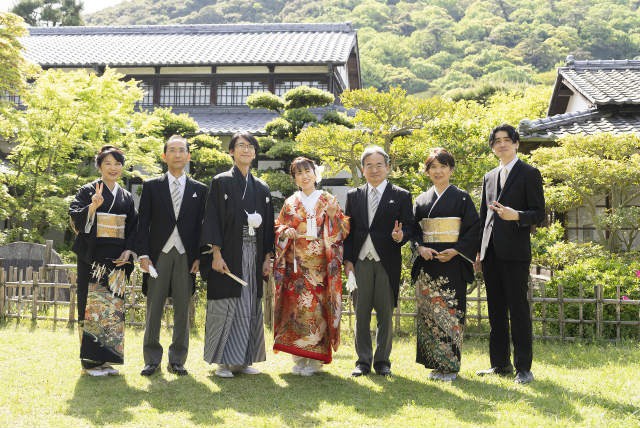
[(308, 298)]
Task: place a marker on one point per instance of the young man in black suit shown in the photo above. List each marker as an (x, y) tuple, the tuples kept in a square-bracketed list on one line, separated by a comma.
[(381, 217), (512, 202), (170, 219)]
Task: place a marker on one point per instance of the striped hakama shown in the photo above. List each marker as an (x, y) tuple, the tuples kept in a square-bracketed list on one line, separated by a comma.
[(234, 331)]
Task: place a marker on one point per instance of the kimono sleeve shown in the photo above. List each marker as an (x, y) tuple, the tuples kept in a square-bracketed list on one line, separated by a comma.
[(269, 231), (79, 208), (131, 224), (212, 227), (469, 238)]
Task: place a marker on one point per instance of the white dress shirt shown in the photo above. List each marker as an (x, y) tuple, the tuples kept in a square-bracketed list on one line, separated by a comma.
[(174, 240), (368, 250)]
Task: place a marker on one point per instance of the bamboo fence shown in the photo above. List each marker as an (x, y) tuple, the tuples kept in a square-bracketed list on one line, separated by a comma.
[(48, 294)]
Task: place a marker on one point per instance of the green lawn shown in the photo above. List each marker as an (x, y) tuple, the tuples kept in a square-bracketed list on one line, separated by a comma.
[(576, 385)]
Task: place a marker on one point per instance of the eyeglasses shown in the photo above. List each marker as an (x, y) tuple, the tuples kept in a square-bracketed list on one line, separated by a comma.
[(180, 150), (246, 147)]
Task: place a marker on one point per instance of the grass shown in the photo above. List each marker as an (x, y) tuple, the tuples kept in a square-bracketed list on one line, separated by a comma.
[(576, 385)]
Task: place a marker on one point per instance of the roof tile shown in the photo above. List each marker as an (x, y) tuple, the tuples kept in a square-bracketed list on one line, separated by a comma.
[(190, 45), (585, 122)]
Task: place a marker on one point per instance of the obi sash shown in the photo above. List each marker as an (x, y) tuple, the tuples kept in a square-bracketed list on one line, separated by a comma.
[(110, 225), (441, 229)]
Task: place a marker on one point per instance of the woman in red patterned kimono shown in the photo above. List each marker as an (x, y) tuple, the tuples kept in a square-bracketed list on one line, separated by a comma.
[(308, 303)]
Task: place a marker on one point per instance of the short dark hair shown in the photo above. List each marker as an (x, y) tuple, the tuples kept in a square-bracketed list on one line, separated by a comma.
[(109, 150), (176, 137), (510, 130), (442, 156), (300, 163), (373, 150), (245, 135)]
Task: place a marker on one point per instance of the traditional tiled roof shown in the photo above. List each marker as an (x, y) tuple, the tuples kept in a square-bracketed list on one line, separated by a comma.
[(584, 122), (228, 121), (604, 82), (191, 45)]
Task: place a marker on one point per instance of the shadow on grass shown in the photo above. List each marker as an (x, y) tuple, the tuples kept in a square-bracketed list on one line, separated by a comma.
[(374, 397), (111, 401), (544, 396)]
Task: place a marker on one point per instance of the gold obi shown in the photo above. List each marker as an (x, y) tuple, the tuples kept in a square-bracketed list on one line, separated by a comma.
[(110, 225), (443, 229)]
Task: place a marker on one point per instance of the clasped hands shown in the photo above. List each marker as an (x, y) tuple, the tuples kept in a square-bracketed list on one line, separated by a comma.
[(504, 212), (444, 256)]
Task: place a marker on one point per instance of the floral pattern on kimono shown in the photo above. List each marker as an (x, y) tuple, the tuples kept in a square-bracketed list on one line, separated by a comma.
[(440, 325), (103, 325), (308, 296)]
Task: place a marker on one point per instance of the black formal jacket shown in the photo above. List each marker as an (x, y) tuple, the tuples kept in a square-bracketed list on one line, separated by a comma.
[(157, 219), (222, 226), (523, 192), (395, 204)]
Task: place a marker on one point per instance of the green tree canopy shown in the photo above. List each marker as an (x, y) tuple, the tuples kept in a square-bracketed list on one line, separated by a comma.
[(581, 171)]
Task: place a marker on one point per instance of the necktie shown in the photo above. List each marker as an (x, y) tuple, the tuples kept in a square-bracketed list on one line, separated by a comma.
[(503, 176), (175, 197), (373, 203)]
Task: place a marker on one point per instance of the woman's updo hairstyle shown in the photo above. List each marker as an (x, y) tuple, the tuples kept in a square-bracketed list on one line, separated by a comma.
[(107, 150)]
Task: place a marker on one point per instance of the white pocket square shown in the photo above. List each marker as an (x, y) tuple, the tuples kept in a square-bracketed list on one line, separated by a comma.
[(195, 195), (391, 201), (267, 200)]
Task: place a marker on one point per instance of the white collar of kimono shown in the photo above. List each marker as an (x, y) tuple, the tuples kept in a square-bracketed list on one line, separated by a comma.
[(114, 192), (309, 202), (439, 195), (380, 187), (182, 179)]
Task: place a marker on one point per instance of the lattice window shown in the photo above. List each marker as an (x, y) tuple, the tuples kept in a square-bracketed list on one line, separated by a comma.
[(147, 98), (286, 85), (235, 93), (185, 93), (12, 98)]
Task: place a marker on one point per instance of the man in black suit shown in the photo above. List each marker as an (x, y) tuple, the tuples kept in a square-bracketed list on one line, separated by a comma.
[(381, 219), (170, 219), (512, 202)]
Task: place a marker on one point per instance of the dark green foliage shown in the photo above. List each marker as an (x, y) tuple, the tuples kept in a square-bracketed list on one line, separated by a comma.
[(578, 268), (50, 13), (305, 97), (337, 118), (207, 157), (266, 100), (432, 46), (180, 124)]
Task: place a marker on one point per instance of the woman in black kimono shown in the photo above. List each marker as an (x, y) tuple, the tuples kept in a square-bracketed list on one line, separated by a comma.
[(446, 238), (105, 220), (238, 231)]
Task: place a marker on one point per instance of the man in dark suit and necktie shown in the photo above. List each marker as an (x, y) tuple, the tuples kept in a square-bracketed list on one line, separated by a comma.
[(512, 202), (170, 219), (381, 219)]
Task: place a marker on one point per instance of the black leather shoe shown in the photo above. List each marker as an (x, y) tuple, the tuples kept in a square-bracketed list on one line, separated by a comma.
[(524, 377), (384, 371), (149, 369), (360, 370), (177, 369), (502, 371)]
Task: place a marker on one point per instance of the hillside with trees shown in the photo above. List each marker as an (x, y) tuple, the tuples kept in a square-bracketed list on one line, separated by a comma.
[(461, 48)]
